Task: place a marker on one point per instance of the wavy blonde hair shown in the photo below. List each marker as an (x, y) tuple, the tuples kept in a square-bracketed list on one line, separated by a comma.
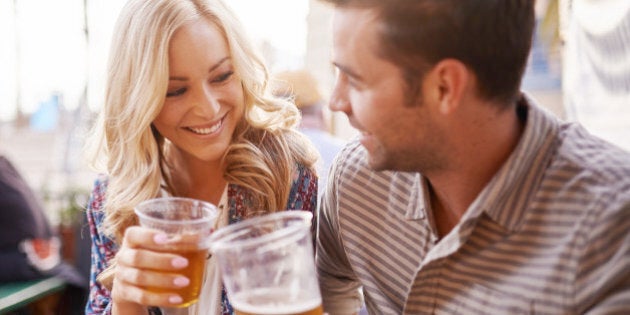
[(265, 146)]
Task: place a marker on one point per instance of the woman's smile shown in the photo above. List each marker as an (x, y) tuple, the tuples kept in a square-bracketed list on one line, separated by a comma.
[(206, 129)]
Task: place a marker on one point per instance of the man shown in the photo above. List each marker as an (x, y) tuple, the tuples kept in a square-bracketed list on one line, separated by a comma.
[(302, 88), (461, 195)]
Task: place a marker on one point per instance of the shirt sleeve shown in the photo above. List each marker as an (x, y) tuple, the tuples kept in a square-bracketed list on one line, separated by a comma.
[(603, 275), (103, 249), (338, 283)]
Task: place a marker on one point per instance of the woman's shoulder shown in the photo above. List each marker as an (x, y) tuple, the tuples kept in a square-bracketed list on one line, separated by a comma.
[(97, 197), (303, 194), (303, 174), (95, 211)]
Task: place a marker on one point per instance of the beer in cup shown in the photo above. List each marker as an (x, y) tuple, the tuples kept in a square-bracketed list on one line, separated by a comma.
[(268, 266), (188, 224)]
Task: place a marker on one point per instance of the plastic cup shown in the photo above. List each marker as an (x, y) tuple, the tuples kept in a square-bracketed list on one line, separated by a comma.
[(188, 223), (267, 264)]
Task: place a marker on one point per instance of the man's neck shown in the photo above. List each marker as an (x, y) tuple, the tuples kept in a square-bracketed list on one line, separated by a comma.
[(482, 150)]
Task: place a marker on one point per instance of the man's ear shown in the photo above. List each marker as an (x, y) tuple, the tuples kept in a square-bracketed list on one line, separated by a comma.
[(448, 81)]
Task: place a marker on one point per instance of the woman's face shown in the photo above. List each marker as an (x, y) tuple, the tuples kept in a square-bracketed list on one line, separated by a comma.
[(204, 100)]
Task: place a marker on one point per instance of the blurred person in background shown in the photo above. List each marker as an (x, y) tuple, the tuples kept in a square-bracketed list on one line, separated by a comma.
[(596, 66), (187, 113), (29, 246), (302, 88), (462, 195)]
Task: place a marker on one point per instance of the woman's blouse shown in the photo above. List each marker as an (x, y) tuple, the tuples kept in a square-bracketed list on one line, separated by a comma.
[(303, 196)]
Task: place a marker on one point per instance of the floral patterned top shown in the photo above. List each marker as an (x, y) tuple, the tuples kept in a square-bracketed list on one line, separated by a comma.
[(303, 196)]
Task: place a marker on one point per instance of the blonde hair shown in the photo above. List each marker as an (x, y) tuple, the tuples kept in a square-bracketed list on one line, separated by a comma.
[(265, 146)]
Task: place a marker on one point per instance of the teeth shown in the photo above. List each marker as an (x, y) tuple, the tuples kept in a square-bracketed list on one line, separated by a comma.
[(206, 131)]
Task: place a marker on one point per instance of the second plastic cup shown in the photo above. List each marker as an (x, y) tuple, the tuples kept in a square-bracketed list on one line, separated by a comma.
[(188, 224), (268, 266)]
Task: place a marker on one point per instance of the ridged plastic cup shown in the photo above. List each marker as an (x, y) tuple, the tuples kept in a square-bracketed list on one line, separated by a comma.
[(267, 264), (188, 223)]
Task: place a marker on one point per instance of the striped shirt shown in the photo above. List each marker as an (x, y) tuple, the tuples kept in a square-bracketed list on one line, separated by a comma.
[(549, 234)]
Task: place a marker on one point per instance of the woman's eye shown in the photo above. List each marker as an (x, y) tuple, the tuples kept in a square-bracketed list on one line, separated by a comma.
[(224, 77), (175, 92)]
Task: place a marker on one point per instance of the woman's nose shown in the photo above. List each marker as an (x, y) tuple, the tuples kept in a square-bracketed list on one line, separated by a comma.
[(207, 102)]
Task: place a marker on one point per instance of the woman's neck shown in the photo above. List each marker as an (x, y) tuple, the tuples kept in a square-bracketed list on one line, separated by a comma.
[(194, 178)]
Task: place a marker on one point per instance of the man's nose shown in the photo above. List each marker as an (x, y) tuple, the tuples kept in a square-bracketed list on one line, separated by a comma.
[(339, 100)]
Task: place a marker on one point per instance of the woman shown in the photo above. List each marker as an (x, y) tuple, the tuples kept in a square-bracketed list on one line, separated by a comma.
[(187, 113)]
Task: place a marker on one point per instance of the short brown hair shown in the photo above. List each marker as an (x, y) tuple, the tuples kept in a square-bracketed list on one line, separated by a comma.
[(491, 37)]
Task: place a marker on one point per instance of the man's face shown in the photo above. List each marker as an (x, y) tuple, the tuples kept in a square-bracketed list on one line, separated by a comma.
[(371, 92)]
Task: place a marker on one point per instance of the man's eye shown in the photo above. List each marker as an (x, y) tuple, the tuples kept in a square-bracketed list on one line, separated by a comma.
[(224, 77), (352, 83), (175, 92)]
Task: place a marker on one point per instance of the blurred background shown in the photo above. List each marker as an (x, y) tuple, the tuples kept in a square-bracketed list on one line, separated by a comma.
[(53, 56)]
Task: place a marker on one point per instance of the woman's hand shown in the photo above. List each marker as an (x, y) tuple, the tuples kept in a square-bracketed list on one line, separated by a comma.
[(141, 266)]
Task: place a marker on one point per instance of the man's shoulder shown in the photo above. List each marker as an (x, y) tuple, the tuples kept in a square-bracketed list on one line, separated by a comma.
[(591, 161), (585, 149), (352, 159), (353, 151)]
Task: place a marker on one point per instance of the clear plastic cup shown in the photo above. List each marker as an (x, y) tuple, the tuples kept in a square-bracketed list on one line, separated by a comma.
[(267, 264), (188, 223)]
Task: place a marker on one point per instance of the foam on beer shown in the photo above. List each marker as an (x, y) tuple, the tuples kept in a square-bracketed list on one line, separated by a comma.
[(241, 304)]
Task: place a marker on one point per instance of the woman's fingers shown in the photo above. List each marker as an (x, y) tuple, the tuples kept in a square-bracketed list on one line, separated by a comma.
[(146, 273), (147, 259), (137, 236), (124, 291), (149, 278)]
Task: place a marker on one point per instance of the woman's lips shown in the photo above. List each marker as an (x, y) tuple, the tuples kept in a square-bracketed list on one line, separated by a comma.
[(206, 130)]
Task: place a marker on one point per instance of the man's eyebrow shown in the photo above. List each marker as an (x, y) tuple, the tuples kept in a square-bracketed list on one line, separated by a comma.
[(348, 71), (214, 67)]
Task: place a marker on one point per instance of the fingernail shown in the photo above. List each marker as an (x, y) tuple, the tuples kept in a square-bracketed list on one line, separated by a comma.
[(175, 299), (181, 281), (160, 238), (179, 262)]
